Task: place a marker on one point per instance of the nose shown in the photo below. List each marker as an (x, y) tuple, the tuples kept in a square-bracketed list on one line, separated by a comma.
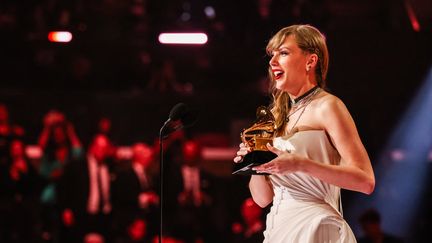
[(273, 61)]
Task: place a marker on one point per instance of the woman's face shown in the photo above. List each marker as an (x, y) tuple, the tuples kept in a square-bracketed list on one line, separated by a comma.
[(288, 65)]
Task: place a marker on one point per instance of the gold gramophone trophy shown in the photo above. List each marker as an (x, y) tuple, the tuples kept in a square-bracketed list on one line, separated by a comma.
[(256, 137)]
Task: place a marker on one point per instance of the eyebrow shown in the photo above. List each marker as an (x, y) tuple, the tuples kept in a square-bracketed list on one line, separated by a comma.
[(281, 49), (284, 47)]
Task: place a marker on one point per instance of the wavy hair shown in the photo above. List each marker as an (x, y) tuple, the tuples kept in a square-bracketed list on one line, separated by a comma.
[(310, 40)]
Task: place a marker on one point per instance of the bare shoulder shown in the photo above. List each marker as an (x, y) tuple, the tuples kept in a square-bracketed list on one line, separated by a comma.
[(327, 102), (331, 113)]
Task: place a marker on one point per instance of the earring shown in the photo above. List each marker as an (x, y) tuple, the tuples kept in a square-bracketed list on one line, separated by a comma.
[(307, 69)]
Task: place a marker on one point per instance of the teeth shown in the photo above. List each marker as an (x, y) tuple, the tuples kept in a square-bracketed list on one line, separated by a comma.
[(277, 73)]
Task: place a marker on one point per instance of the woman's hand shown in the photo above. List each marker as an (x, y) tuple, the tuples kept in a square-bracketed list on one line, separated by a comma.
[(241, 152), (284, 163)]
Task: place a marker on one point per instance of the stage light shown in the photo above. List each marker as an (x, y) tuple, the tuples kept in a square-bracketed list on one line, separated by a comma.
[(60, 36), (397, 155), (183, 38), (210, 12), (415, 24)]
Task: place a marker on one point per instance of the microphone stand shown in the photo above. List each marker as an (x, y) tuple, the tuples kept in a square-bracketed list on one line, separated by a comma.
[(173, 125), (161, 181)]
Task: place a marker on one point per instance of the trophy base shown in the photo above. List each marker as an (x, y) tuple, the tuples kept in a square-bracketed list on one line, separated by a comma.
[(253, 159)]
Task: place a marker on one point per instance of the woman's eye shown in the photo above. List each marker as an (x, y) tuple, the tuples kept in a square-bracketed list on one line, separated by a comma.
[(284, 53)]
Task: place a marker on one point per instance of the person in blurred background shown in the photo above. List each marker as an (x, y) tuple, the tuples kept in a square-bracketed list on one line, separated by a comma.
[(20, 185), (188, 194), (104, 126), (317, 145), (135, 192), (84, 193), (370, 222), (8, 132), (249, 229), (60, 144)]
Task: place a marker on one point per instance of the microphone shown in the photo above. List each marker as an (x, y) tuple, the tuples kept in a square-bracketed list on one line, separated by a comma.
[(181, 116)]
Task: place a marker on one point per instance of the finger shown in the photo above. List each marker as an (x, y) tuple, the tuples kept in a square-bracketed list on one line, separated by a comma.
[(238, 159), (245, 146), (265, 166), (260, 171), (244, 149), (242, 152), (273, 149)]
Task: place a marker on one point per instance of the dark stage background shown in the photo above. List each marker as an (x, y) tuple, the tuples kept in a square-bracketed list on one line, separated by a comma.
[(114, 67)]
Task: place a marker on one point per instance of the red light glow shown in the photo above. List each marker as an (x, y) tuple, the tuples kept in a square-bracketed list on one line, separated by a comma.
[(60, 36), (415, 24)]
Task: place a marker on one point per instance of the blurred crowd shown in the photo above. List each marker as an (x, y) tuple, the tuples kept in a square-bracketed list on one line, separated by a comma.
[(58, 190)]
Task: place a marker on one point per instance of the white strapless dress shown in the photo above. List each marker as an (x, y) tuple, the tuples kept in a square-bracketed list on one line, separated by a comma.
[(306, 209)]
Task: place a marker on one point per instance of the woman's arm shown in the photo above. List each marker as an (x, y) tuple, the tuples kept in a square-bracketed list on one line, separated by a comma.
[(259, 186), (355, 171), (70, 131), (261, 190)]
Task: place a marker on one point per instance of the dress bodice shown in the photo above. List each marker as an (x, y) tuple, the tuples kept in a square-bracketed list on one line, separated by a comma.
[(315, 145)]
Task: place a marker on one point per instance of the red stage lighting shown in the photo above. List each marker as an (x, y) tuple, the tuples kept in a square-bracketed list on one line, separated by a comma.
[(415, 24)]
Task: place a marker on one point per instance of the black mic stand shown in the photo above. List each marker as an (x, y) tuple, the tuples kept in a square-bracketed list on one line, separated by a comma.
[(161, 180), (174, 122)]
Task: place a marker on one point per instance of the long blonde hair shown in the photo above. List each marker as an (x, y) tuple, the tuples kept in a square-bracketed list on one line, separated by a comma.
[(310, 40)]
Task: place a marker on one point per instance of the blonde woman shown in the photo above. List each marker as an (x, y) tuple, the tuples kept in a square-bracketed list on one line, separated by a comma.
[(317, 145)]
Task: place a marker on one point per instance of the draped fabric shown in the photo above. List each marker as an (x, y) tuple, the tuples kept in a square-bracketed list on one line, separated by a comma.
[(306, 209)]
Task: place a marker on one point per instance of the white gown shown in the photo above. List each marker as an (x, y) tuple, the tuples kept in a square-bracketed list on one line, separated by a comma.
[(306, 209)]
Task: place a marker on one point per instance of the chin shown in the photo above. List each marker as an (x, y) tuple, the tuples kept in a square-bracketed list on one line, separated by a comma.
[(280, 85)]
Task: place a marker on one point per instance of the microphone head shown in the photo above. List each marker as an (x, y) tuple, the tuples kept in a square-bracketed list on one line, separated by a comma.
[(183, 113), (178, 111)]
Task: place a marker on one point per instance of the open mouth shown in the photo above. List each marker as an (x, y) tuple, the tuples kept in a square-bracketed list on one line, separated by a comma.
[(278, 74)]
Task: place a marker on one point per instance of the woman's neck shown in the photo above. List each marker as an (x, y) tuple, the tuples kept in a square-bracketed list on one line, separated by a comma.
[(301, 90)]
